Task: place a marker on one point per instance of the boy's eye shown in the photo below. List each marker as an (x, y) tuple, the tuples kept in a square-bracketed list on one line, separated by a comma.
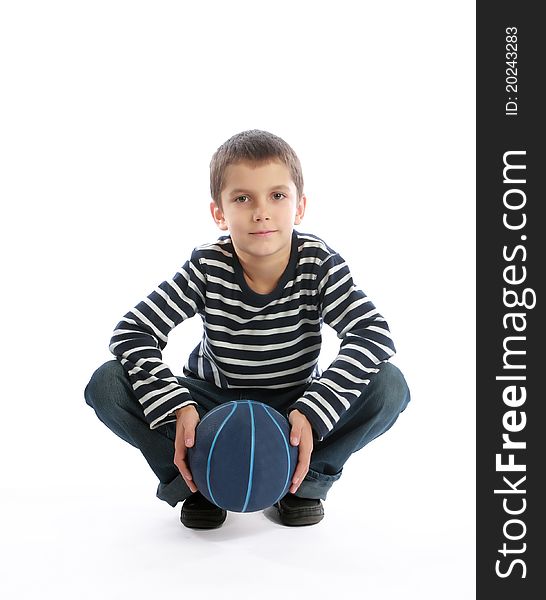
[(243, 199)]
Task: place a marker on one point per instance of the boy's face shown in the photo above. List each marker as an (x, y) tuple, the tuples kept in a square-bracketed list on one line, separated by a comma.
[(259, 208)]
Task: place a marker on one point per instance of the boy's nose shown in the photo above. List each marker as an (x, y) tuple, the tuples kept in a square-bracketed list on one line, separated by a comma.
[(260, 213), (261, 217)]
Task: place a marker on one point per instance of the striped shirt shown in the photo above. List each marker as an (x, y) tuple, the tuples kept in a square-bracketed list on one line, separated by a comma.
[(252, 340)]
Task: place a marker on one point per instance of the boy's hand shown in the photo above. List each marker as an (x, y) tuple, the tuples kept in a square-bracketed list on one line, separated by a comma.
[(186, 422), (301, 434)]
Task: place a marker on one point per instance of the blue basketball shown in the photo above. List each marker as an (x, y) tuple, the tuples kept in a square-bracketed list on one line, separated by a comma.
[(242, 459)]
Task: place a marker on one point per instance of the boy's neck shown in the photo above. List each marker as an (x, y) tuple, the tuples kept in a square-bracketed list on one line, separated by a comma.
[(262, 274)]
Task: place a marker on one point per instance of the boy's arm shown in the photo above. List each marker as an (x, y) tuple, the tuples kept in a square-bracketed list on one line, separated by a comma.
[(365, 344), (142, 333)]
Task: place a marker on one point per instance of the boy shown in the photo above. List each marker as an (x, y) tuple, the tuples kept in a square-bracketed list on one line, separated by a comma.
[(262, 292)]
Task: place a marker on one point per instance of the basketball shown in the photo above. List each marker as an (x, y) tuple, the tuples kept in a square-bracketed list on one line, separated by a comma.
[(242, 459)]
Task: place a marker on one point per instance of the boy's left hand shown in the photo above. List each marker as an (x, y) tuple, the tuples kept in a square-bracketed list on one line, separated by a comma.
[(301, 434)]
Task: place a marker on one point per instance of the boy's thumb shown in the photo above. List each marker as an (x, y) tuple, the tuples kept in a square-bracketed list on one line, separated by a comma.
[(189, 433), (294, 436), (189, 436)]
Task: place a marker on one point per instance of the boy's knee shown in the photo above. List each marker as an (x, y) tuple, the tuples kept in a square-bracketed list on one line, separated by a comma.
[(395, 392), (103, 382)]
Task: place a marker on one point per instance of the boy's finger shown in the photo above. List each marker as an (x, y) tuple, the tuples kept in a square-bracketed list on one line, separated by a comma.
[(179, 453), (186, 474), (299, 474), (306, 446), (187, 433), (301, 470), (304, 460), (295, 435), (180, 461), (192, 486)]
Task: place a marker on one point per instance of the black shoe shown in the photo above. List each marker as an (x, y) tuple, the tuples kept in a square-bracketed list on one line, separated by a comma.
[(294, 511), (198, 513)]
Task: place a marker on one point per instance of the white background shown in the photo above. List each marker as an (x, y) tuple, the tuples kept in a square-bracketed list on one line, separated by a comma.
[(110, 113)]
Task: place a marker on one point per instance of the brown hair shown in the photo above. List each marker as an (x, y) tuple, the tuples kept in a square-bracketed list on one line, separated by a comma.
[(255, 146)]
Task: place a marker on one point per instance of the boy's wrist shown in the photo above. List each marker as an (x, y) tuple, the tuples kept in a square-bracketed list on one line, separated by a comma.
[(316, 432), (179, 410)]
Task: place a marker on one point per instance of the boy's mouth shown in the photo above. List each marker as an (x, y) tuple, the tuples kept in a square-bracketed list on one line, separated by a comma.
[(262, 233)]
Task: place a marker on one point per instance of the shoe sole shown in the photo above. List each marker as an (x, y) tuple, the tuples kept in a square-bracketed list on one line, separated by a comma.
[(201, 522), (298, 520)]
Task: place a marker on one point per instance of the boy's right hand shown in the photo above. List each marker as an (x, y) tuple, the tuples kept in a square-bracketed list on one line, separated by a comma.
[(186, 422)]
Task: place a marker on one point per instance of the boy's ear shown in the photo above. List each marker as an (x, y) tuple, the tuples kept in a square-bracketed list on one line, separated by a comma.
[(218, 216), (300, 209)]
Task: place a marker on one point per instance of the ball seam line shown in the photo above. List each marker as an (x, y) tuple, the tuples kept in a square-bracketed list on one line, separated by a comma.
[(287, 452), (209, 458), (251, 466)]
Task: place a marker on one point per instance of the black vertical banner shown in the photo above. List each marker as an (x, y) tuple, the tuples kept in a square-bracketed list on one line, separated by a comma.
[(511, 254)]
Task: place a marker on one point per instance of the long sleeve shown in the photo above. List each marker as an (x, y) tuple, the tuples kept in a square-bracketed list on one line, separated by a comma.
[(142, 334), (365, 344)]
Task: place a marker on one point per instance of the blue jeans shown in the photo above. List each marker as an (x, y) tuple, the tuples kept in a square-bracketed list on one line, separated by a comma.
[(110, 394)]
